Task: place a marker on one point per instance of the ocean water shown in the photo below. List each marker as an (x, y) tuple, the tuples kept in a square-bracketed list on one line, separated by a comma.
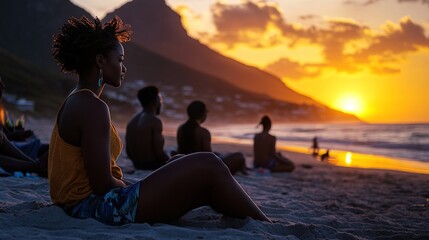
[(403, 141)]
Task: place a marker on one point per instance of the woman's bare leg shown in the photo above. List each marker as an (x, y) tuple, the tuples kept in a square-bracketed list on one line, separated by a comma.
[(191, 181), (10, 150), (12, 159), (235, 162), (12, 164), (283, 164)]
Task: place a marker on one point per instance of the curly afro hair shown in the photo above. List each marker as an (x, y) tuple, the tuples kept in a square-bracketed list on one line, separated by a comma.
[(81, 40)]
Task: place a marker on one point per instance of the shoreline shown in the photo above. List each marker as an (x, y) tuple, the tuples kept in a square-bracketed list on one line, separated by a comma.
[(349, 159)]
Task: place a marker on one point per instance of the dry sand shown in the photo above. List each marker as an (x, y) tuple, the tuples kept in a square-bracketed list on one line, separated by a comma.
[(316, 201)]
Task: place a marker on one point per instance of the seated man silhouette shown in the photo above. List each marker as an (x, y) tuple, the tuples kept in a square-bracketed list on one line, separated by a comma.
[(143, 138), (191, 137), (264, 150)]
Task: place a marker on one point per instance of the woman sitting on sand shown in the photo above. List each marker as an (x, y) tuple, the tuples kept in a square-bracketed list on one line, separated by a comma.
[(84, 178), (264, 150)]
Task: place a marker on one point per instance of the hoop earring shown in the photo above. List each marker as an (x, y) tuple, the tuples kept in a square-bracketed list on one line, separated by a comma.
[(100, 78)]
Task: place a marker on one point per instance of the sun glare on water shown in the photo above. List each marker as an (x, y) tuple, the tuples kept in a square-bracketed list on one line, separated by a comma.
[(348, 158)]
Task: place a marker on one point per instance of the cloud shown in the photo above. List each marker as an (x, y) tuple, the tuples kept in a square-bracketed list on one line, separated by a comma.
[(286, 68), (347, 46), (421, 1), (370, 2), (385, 70), (339, 41), (187, 11), (256, 24), (396, 40), (350, 47), (188, 15), (308, 17), (360, 2)]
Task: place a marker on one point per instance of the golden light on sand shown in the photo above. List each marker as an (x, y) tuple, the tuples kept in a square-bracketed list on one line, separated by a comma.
[(348, 158), (350, 104)]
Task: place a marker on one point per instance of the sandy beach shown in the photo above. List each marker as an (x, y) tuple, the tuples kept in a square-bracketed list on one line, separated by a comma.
[(316, 201)]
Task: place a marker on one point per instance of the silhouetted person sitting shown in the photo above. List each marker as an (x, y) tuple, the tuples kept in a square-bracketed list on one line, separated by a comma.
[(264, 150), (191, 137), (144, 139)]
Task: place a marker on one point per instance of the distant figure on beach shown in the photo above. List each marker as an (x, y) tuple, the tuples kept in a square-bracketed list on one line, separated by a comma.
[(84, 177), (143, 138), (325, 156), (21, 138), (264, 150), (191, 138), (315, 147)]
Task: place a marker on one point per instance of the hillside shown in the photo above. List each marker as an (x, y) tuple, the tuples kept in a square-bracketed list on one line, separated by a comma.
[(159, 28), (27, 27), (180, 85), (24, 80), (29, 70)]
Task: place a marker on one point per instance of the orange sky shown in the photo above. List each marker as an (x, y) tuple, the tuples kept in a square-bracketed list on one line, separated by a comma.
[(368, 57)]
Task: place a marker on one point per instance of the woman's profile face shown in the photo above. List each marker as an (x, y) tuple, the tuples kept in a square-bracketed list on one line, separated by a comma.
[(113, 67)]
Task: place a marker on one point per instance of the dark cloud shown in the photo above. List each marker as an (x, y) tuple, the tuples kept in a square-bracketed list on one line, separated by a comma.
[(308, 17), (381, 52), (346, 46), (360, 2), (421, 1), (407, 38), (293, 70), (248, 23), (370, 2), (248, 16), (384, 70), (334, 39)]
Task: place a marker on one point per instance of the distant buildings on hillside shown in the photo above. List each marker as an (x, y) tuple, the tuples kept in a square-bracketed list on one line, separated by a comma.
[(21, 104)]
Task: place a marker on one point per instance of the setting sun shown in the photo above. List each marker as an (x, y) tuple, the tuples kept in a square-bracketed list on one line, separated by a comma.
[(350, 104)]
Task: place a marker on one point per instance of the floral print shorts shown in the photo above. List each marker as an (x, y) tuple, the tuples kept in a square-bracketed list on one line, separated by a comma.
[(116, 207)]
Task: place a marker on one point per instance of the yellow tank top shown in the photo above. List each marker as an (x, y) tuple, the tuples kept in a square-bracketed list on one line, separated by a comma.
[(68, 180)]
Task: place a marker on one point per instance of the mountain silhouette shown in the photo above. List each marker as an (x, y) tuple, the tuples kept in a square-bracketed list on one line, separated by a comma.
[(180, 84), (27, 27), (30, 71), (158, 28), (25, 80)]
